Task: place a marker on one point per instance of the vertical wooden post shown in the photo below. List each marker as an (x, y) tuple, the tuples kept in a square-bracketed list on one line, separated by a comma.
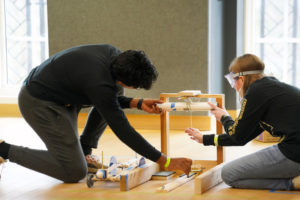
[(220, 101), (164, 130), (165, 127)]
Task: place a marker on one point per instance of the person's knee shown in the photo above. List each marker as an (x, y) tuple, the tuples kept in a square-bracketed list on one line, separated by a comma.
[(227, 175), (76, 174)]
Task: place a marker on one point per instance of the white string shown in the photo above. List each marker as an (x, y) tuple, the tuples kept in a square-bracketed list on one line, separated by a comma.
[(188, 101), (191, 118)]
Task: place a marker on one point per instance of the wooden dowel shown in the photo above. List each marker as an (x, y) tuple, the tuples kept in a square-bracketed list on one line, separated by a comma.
[(176, 183)]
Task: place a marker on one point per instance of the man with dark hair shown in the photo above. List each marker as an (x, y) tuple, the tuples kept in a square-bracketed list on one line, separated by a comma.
[(55, 91)]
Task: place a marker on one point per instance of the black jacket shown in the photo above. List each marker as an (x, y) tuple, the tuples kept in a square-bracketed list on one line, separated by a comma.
[(82, 76), (268, 105)]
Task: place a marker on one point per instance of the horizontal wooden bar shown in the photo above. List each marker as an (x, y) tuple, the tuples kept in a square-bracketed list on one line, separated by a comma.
[(170, 95)]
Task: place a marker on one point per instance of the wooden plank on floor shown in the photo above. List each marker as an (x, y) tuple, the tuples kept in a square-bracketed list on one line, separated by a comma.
[(208, 179), (138, 176), (176, 183)]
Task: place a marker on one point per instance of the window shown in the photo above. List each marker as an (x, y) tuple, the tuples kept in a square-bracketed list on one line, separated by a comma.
[(273, 34), (24, 41)]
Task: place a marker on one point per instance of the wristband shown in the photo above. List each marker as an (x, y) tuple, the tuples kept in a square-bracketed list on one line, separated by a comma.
[(167, 162), (139, 104), (216, 140)]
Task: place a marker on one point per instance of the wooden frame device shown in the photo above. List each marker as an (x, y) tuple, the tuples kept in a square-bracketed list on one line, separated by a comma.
[(208, 164)]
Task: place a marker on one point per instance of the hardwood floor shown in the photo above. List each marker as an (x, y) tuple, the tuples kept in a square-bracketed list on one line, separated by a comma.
[(20, 183)]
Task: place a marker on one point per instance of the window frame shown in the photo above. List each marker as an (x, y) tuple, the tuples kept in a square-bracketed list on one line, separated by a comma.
[(9, 94), (251, 40)]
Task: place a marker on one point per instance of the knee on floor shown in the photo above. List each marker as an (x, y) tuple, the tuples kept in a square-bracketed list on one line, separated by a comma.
[(227, 175), (75, 174)]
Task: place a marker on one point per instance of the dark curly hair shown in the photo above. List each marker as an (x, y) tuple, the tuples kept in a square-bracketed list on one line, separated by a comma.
[(134, 69)]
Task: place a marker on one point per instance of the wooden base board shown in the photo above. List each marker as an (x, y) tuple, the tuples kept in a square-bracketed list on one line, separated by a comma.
[(138, 176)]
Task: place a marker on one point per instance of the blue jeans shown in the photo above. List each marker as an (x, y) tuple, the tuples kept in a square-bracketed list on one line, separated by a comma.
[(265, 169)]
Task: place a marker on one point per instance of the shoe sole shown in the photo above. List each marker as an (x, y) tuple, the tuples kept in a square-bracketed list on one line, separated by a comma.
[(296, 182)]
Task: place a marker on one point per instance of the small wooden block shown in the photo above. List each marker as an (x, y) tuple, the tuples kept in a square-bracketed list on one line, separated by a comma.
[(163, 175), (189, 93), (208, 179), (138, 176)]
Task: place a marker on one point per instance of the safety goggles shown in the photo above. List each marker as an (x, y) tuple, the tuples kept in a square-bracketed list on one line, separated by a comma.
[(232, 78)]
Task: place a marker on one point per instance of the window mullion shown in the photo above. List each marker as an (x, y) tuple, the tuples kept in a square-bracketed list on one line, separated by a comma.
[(2, 45), (285, 66), (23, 40)]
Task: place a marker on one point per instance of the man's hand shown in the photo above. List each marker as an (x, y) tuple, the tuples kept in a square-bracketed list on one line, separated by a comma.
[(217, 112), (149, 105), (182, 164), (195, 134)]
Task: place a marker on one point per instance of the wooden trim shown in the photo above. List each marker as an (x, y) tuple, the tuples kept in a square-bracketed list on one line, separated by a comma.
[(152, 122), (9, 110), (147, 121)]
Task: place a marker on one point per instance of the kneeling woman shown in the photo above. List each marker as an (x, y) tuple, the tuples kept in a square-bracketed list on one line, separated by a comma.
[(267, 104)]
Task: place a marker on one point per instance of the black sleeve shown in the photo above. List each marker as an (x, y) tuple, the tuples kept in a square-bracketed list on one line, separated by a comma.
[(107, 104), (245, 127), (94, 123), (227, 122), (124, 101), (227, 140)]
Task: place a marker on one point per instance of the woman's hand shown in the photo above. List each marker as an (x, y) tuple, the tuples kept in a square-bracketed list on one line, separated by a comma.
[(217, 112), (195, 134)]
